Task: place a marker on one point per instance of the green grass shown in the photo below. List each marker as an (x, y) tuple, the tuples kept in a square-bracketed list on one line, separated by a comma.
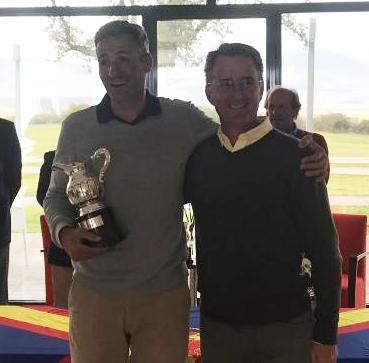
[(348, 185), (33, 218), (30, 181), (347, 144), (338, 165), (38, 164), (45, 137)]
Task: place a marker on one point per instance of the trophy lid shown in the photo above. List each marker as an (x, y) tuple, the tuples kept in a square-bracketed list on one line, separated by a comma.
[(70, 169)]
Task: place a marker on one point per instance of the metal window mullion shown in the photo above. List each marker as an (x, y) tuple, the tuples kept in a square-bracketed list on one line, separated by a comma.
[(273, 51), (151, 26)]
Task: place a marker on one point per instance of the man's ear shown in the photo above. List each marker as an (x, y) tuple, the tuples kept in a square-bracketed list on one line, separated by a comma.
[(147, 61), (209, 94), (261, 90), (295, 113)]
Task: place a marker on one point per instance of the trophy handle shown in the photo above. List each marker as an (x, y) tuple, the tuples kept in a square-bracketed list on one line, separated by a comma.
[(102, 152)]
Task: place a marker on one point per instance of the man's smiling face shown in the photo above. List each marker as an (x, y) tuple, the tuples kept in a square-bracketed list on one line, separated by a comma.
[(235, 90), (122, 66)]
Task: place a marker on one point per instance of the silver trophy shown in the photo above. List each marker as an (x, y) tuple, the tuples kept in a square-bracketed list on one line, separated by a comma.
[(84, 188)]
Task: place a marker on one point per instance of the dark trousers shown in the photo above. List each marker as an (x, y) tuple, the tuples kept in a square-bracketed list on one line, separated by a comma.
[(281, 342), (4, 269)]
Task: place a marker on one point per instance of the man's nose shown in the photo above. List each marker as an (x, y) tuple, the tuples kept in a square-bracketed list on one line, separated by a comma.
[(238, 91), (113, 69)]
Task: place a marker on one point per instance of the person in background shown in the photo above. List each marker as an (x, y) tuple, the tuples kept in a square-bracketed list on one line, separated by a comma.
[(283, 106), (131, 298), (10, 183), (59, 260), (256, 213)]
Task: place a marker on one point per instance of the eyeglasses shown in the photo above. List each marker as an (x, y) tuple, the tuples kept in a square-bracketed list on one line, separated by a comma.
[(228, 85)]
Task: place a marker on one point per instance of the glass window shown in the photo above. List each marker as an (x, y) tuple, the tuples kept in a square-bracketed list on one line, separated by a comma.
[(41, 82), (183, 46), (340, 98)]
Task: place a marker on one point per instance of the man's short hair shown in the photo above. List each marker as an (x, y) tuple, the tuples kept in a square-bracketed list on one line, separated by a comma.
[(295, 99), (232, 50), (123, 27)]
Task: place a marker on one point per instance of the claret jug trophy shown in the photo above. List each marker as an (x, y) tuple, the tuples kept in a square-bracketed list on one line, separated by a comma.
[(84, 190)]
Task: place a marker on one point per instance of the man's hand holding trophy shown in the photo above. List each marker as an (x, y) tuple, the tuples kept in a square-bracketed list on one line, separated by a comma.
[(95, 225)]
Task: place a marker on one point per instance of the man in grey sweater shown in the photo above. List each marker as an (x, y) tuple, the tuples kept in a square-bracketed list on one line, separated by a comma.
[(133, 296)]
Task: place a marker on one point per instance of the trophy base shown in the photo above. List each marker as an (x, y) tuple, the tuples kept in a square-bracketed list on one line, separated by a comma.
[(100, 222)]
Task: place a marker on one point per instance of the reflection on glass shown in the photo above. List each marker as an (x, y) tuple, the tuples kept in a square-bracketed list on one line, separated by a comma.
[(340, 100), (183, 46), (340, 75)]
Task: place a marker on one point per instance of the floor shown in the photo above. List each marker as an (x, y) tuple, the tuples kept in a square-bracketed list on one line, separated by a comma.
[(26, 268)]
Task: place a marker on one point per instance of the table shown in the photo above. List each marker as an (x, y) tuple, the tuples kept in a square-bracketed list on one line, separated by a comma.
[(39, 334), (353, 336), (33, 334)]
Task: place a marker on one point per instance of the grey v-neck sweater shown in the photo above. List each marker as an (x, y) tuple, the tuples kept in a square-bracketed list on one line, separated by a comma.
[(143, 187)]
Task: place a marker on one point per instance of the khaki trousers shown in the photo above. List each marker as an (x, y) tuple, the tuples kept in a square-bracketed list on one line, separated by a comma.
[(105, 329), (62, 278)]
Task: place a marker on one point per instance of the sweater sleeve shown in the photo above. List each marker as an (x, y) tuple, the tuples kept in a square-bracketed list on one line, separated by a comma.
[(201, 126), (44, 178), (320, 140), (58, 210), (316, 227)]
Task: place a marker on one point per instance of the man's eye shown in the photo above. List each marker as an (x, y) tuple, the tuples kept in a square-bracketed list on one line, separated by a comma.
[(123, 59), (226, 83), (247, 82)]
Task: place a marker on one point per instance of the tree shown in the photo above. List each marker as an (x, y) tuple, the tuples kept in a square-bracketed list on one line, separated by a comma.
[(333, 122), (363, 127), (177, 38)]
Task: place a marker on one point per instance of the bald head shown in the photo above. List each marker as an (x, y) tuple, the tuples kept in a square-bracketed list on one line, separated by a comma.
[(282, 106)]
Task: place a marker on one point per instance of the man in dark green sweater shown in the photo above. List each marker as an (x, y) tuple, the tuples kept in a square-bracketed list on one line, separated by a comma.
[(256, 214)]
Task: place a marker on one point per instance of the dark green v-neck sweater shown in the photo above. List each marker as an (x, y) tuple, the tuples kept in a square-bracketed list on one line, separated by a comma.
[(256, 213)]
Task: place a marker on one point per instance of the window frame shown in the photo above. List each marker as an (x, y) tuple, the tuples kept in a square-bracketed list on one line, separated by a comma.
[(151, 15)]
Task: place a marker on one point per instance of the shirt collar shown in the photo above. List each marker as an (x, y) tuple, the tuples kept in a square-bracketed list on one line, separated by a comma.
[(105, 113), (247, 138)]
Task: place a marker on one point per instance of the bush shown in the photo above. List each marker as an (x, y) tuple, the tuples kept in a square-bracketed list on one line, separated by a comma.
[(363, 127), (73, 108), (334, 122), (52, 117), (45, 118), (342, 126)]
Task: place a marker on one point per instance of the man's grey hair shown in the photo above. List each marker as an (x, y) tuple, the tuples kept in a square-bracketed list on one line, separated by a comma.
[(295, 99), (232, 50), (123, 27)]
